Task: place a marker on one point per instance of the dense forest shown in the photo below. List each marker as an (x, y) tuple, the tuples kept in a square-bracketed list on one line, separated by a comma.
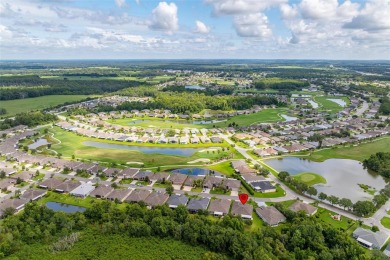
[(19, 87), (280, 84), (384, 109), (303, 238), (29, 119), (186, 102), (380, 163)]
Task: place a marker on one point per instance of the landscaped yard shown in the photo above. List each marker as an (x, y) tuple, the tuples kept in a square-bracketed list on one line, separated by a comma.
[(223, 167), (16, 106), (345, 223), (386, 222), (310, 178)]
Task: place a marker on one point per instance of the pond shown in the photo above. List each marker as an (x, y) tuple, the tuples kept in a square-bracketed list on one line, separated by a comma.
[(195, 87), (146, 149), (339, 101), (64, 207), (342, 175), (203, 122), (313, 104), (289, 118), (40, 142), (197, 171)]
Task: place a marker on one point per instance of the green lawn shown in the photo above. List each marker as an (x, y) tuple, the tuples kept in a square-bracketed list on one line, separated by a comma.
[(345, 223), (386, 222), (326, 104), (267, 115), (72, 144), (16, 106), (310, 178), (223, 167), (67, 199), (359, 152)]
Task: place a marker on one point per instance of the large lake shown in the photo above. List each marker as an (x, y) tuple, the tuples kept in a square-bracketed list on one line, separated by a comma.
[(146, 149), (64, 207), (342, 175)]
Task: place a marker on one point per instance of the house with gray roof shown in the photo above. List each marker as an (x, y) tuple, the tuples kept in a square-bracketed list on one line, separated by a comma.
[(175, 200), (17, 204), (142, 175), (33, 194), (129, 173), (387, 250), (119, 194), (177, 178), (232, 184), (270, 215), (101, 192), (211, 182), (243, 210), (196, 204), (263, 186), (51, 183), (301, 206), (219, 207), (370, 239), (138, 196), (67, 186), (156, 198), (83, 190)]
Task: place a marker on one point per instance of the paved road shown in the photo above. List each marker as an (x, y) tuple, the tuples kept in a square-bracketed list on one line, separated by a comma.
[(360, 111)]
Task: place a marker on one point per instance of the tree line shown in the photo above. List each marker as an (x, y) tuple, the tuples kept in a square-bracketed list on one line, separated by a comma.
[(19, 87), (29, 119), (185, 102), (302, 238), (380, 163)]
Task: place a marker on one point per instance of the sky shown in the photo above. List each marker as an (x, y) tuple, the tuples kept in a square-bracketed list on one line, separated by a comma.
[(195, 29)]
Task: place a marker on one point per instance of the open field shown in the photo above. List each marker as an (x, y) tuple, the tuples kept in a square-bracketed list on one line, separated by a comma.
[(72, 144), (359, 152), (16, 106), (224, 167), (386, 222), (328, 105), (310, 178)]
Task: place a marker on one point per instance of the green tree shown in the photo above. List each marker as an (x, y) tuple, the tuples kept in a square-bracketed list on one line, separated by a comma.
[(322, 196), (169, 189), (345, 203)]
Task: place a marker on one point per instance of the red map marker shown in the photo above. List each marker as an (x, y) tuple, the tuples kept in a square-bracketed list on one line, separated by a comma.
[(243, 198)]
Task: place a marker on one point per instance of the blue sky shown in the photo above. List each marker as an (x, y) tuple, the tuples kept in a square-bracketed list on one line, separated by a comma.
[(149, 29)]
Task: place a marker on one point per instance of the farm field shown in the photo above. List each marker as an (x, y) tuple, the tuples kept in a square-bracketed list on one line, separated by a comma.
[(310, 178), (359, 152), (16, 106), (328, 105), (72, 144)]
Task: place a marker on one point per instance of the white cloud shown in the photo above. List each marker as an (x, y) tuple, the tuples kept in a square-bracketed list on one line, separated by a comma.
[(229, 7), (164, 17), (201, 27), (373, 17), (288, 12), (328, 10), (252, 25), (120, 3)]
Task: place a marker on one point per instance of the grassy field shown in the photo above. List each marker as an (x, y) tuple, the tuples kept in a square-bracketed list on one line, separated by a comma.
[(267, 115), (345, 224), (328, 105), (359, 152), (310, 178), (16, 106), (224, 167), (72, 144), (386, 222)]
